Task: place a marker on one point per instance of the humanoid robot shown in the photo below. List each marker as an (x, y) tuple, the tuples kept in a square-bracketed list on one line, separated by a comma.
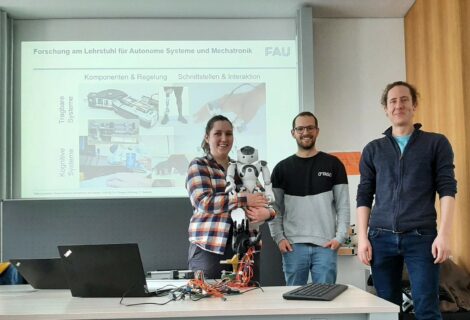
[(248, 168)]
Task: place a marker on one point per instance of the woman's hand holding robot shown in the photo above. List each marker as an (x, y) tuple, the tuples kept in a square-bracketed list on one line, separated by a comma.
[(257, 215), (255, 199)]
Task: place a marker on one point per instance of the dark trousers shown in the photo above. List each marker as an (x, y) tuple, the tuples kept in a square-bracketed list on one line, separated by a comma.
[(209, 262), (389, 252)]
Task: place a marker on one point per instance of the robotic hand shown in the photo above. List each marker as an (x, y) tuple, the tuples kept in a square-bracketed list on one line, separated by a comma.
[(243, 239), (240, 103), (243, 242)]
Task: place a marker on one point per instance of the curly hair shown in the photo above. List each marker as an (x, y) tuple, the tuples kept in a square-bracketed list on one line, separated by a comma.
[(414, 93)]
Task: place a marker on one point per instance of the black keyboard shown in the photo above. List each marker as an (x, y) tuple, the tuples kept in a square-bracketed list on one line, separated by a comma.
[(315, 291)]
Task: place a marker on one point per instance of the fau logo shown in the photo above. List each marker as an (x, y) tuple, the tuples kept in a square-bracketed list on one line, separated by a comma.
[(277, 51), (325, 174)]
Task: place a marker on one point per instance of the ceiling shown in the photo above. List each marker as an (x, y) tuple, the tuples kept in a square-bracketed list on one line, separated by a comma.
[(49, 9)]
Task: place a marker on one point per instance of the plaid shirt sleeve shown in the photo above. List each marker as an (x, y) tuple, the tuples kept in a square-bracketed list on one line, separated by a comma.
[(206, 187), (210, 223)]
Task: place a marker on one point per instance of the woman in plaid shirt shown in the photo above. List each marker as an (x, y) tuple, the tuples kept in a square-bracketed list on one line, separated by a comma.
[(210, 228)]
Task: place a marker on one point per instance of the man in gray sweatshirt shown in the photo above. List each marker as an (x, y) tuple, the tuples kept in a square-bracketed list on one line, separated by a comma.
[(312, 198)]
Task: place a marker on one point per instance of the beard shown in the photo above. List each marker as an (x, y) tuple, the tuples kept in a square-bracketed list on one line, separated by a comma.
[(304, 145)]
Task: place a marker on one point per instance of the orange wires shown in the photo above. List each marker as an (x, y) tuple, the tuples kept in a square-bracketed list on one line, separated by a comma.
[(202, 287), (245, 270)]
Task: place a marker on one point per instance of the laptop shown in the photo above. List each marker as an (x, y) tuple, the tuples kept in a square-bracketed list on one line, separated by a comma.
[(42, 273), (105, 270)]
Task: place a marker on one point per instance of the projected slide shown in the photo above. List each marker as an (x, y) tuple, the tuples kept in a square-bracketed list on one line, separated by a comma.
[(124, 119)]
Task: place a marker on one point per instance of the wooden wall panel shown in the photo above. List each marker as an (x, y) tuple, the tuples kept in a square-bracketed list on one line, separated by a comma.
[(465, 218), (437, 46)]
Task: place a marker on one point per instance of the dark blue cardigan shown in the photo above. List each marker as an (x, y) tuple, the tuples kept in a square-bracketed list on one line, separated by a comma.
[(405, 185)]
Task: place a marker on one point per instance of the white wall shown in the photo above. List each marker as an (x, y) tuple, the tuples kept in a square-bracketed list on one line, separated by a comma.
[(354, 60)]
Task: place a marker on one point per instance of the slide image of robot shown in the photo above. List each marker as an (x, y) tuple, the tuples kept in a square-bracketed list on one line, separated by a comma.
[(147, 108)]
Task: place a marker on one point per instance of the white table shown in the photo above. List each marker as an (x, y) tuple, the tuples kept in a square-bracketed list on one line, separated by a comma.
[(21, 302)]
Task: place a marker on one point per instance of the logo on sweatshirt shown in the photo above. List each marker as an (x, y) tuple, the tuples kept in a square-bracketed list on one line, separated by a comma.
[(325, 174)]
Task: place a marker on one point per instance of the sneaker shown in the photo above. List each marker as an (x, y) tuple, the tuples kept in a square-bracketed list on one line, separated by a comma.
[(182, 119), (165, 119)]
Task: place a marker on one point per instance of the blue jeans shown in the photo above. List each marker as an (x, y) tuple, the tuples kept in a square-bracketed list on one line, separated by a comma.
[(305, 257), (389, 252)]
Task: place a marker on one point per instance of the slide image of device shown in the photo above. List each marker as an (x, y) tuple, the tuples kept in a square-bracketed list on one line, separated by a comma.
[(173, 102), (239, 101), (146, 110), (175, 164), (101, 159), (145, 164), (113, 131)]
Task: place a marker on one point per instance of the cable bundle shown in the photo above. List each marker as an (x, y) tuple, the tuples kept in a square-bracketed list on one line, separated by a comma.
[(200, 286), (245, 270), (229, 285)]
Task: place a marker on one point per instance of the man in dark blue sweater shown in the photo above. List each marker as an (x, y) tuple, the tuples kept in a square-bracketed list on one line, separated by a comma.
[(404, 170)]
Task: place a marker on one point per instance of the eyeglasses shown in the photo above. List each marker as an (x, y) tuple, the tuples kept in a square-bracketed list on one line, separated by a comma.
[(308, 128)]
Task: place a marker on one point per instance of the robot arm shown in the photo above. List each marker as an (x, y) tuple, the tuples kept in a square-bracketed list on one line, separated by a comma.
[(230, 178), (268, 187)]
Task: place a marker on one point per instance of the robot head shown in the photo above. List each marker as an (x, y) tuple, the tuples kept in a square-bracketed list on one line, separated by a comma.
[(247, 155)]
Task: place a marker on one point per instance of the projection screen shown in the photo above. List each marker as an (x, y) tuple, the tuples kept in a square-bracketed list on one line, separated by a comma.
[(117, 108)]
